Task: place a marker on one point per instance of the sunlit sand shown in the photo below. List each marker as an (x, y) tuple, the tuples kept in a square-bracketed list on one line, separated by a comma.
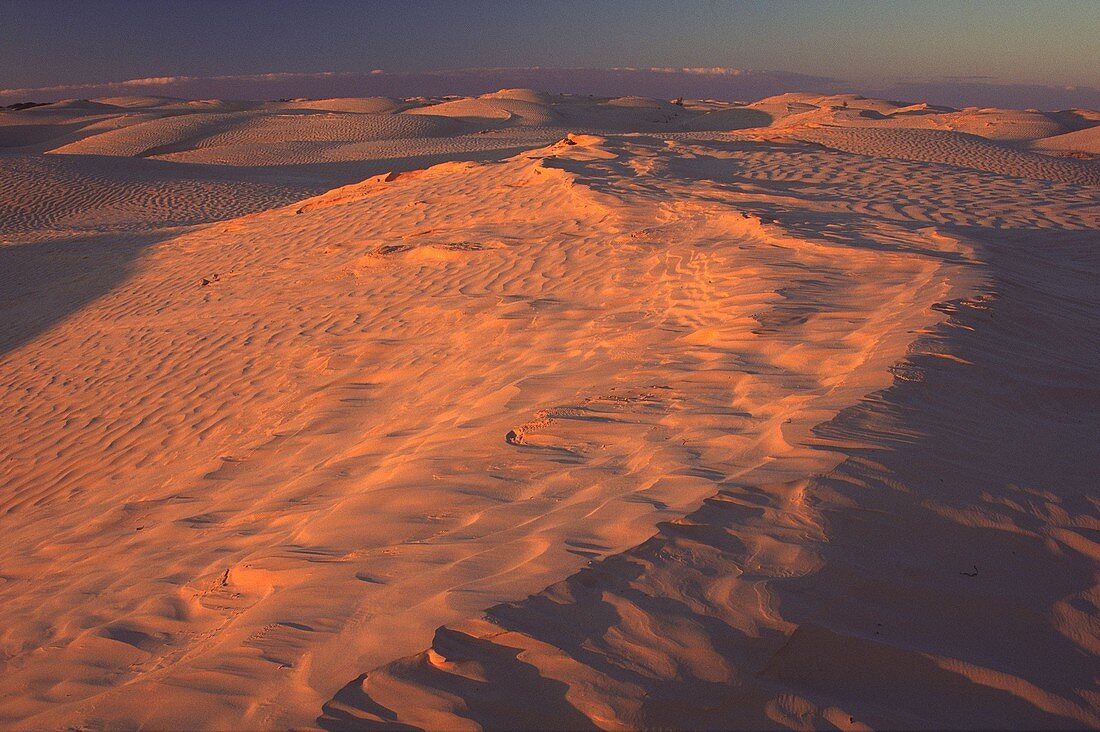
[(544, 411)]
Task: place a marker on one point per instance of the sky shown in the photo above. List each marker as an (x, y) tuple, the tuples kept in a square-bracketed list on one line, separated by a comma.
[(257, 47)]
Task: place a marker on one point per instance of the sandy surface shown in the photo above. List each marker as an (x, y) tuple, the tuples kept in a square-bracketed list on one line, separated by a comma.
[(632, 414)]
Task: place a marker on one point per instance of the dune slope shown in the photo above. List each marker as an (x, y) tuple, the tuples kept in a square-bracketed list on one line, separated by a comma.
[(791, 424), (882, 592)]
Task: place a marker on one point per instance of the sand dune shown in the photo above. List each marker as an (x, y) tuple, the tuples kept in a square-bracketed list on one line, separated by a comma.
[(1083, 141), (43, 195), (151, 126), (878, 594), (950, 148), (368, 105), (778, 414)]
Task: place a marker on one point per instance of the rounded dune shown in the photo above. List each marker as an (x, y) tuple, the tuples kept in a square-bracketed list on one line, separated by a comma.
[(1085, 141), (367, 105)]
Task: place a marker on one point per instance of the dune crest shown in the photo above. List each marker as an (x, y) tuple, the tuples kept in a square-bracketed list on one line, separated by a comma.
[(312, 393)]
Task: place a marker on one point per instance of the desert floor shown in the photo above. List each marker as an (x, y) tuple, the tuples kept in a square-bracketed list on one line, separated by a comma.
[(533, 411)]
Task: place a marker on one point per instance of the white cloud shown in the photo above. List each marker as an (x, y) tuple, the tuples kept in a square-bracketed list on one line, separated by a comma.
[(696, 70), (163, 81), (153, 81)]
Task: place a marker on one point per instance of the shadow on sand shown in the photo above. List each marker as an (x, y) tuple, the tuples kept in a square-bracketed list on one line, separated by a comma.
[(956, 577), (43, 283)]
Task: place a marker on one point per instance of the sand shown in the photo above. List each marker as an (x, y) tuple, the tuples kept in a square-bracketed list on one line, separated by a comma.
[(533, 411)]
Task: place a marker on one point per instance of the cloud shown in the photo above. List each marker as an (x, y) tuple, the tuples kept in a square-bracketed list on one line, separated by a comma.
[(44, 92), (156, 81), (57, 92), (701, 70), (712, 71)]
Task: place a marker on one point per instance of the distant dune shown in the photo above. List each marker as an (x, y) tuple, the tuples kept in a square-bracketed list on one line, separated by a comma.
[(715, 82), (547, 411)]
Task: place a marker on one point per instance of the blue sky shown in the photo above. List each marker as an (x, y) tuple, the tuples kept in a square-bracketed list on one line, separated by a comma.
[(49, 42)]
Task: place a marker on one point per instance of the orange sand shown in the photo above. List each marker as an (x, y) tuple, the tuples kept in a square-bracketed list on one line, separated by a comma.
[(779, 414)]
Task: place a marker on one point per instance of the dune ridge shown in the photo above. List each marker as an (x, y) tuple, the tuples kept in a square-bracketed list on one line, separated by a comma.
[(739, 397), (889, 621), (878, 593)]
